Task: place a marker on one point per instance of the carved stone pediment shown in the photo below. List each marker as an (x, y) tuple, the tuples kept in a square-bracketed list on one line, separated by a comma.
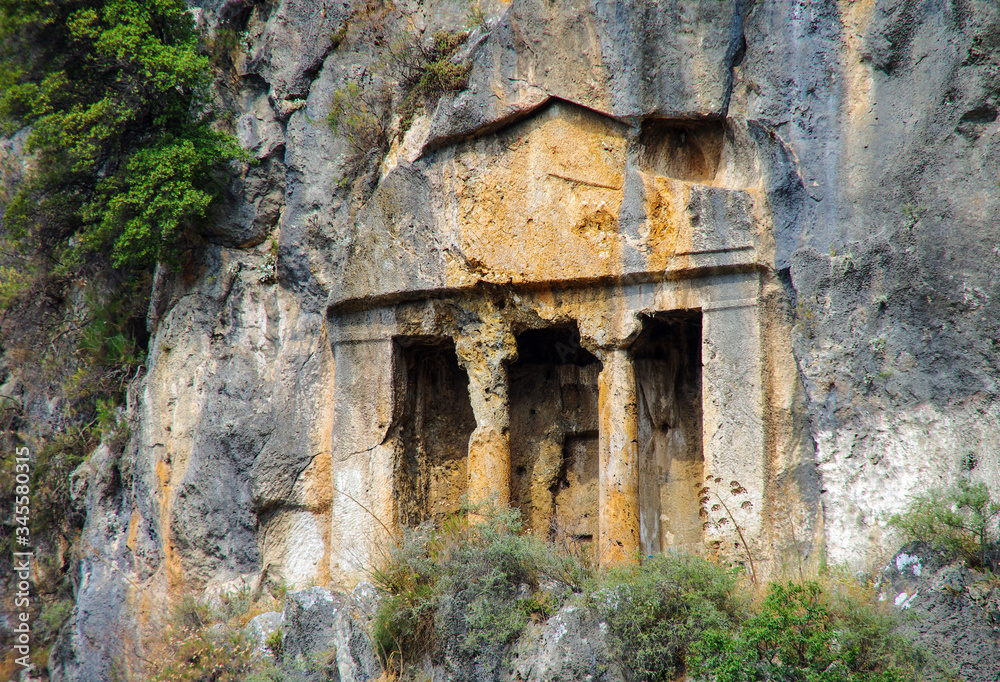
[(568, 194)]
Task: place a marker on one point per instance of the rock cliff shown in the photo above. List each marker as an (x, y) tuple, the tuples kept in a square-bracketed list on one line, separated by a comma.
[(746, 240)]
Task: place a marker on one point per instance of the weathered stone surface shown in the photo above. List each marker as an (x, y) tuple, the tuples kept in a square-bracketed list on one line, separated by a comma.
[(571, 645), (886, 108), (319, 625), (611, 58), (559, 196), (261, 628), (954, 611), (815, 178), (98, 637), (288, 48)]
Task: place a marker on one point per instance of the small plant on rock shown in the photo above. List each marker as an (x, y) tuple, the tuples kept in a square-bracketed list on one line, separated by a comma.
[(275, 643), (437, 73), (360, 112), (963, 520), (718, 514)]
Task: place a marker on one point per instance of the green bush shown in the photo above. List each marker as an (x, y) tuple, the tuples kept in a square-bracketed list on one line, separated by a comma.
[(657, 610), (804, 633), (436, 73), (275, 643), (465, 591), (361, 111), (467, 586), (207, 656), (122, 160), (361, 114), (962, 520)]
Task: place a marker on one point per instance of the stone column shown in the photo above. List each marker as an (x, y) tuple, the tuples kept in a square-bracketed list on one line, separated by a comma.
[(489, 445), (484, 349), (618, 475)]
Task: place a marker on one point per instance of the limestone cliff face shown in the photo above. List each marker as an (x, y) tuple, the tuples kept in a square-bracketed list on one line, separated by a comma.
[(752, 241)]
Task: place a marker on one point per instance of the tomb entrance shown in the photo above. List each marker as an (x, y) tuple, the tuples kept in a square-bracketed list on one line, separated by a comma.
[(554, 435), (667, 359), (434, 422)]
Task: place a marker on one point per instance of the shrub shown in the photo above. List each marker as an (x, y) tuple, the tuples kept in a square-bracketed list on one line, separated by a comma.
[(436, 73), (803, 632), (656, 611), (205, 643), (463, 592), (361, 111), (963, 520), (206, 656), (468, 587), (111, 90)]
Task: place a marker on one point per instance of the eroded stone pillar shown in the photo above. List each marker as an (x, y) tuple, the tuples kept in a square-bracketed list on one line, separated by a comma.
[(484, 349), (489, 446), (618, 496)]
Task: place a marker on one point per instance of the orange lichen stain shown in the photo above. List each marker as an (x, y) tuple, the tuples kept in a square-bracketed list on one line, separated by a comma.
[(171, 561), (163, 474), (545, 206), (316, 483), (489, 466), (133, 531), (668, 230), (597, 224)]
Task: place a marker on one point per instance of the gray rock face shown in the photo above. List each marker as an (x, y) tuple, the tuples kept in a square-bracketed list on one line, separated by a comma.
[(309, 617), (610, 58), (261, 628), (859, 169), (95, 640), (292, 44), (571, 645), (319, 625), (888, 110), (955, 611)]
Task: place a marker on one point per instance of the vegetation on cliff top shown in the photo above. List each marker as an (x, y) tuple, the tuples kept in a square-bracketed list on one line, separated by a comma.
[(406, 74), (123, 160)]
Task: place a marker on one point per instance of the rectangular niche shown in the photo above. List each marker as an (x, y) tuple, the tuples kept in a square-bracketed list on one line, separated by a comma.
[(667, 357), (553, 435), (433, 424), (682, 149)]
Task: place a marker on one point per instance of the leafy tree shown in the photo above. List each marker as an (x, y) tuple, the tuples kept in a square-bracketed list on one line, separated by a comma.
[(123, 161)]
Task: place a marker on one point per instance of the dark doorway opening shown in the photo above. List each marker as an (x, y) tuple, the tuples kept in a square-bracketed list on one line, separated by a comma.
[(553, 435), (667, 357), (434, 422)]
